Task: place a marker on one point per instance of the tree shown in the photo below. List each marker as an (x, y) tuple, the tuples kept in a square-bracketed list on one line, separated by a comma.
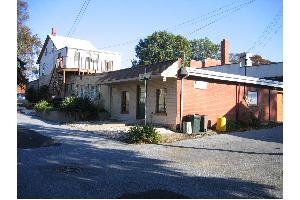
[(28, 45), (234, 57), (258, 60), (204, 48), (161, 46)]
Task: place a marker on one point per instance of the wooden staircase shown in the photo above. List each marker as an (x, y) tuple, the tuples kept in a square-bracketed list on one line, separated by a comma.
[(56, 83)]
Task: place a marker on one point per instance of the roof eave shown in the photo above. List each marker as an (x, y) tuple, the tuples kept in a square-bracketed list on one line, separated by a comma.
[(228, 77), (43, 49)]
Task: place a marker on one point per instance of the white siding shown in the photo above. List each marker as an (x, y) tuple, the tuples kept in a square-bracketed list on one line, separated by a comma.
[(171, 105), (116, 101), (48, 60), (152, 116)]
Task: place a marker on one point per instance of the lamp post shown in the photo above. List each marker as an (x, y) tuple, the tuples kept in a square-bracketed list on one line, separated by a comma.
[(144, 77)]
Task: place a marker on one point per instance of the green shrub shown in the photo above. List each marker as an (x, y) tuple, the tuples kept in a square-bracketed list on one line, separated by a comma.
[(84, 106), (232, 125), (69, 103), (43, 106), (145, 134)]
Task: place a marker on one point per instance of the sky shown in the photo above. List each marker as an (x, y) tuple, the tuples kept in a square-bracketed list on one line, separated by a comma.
[(117, 25)]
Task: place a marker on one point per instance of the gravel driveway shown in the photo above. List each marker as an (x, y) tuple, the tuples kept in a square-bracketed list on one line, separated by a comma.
[(88, 165)]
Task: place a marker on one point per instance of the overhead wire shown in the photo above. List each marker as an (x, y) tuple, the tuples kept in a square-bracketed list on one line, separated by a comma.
[(197, 19), (192, 21), (175, 27), (268, 32), (233, 10), (211, 14), (78, 17)]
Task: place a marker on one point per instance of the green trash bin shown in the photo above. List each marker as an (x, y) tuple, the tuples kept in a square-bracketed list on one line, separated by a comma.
[(196, 122)]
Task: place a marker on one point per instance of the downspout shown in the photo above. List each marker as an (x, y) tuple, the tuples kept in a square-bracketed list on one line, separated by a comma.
[(236, 103), (269, 104), (110, 100), (181, 101)]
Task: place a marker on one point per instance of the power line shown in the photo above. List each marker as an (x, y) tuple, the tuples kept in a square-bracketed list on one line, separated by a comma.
[(78, 17), (235, 9), (197, 19), (268, 33), (191, 21), (120, 44)]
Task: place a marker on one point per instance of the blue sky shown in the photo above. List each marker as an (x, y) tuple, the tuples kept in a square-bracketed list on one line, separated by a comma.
[(254, 25)]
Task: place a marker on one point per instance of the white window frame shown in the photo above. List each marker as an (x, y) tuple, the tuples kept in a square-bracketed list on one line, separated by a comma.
[(252, 98)]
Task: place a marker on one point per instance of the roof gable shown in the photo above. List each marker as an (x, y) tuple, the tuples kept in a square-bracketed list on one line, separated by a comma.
[(61, 42)]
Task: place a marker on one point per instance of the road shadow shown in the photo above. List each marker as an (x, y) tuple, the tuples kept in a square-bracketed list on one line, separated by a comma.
[(221, 150), (274, 134), (83, 168), (27, 139)]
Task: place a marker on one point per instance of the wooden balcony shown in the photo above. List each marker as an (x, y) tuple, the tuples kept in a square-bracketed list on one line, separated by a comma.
[(61, 68)]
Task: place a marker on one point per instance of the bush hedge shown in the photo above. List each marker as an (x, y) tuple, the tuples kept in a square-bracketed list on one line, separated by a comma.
[(43, 106), (144, 134)]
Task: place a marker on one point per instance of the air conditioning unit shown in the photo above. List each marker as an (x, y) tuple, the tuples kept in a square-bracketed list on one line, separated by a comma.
[(187, 127)]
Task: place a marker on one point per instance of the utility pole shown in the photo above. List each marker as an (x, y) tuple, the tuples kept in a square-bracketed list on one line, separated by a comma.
[(181, 96)]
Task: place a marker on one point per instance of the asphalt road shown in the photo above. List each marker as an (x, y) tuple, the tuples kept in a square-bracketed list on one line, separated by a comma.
[(79, 164)]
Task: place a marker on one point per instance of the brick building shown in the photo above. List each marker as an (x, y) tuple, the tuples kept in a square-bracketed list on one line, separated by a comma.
[(174, 92)]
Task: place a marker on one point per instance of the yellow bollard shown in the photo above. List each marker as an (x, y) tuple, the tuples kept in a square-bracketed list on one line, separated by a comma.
[(221, 124)]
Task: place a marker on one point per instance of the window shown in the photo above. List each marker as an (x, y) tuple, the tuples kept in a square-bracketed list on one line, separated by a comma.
[(94, 61), (81, 91), (108, 65), (76, 59), (200, 85), (125, 102), (87, 63), (252, 98), (93, 92), (43, 70), (161, 100)]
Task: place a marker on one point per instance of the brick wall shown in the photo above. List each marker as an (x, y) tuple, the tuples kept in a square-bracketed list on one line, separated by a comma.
[(225, 99), (224, 52), (208, 62)]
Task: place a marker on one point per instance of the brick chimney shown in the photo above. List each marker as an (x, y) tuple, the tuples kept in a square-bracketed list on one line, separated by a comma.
[(53, 31), (224, 52)]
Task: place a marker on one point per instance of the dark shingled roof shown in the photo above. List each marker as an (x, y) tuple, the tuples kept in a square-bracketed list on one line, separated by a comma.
[(133, 72)]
